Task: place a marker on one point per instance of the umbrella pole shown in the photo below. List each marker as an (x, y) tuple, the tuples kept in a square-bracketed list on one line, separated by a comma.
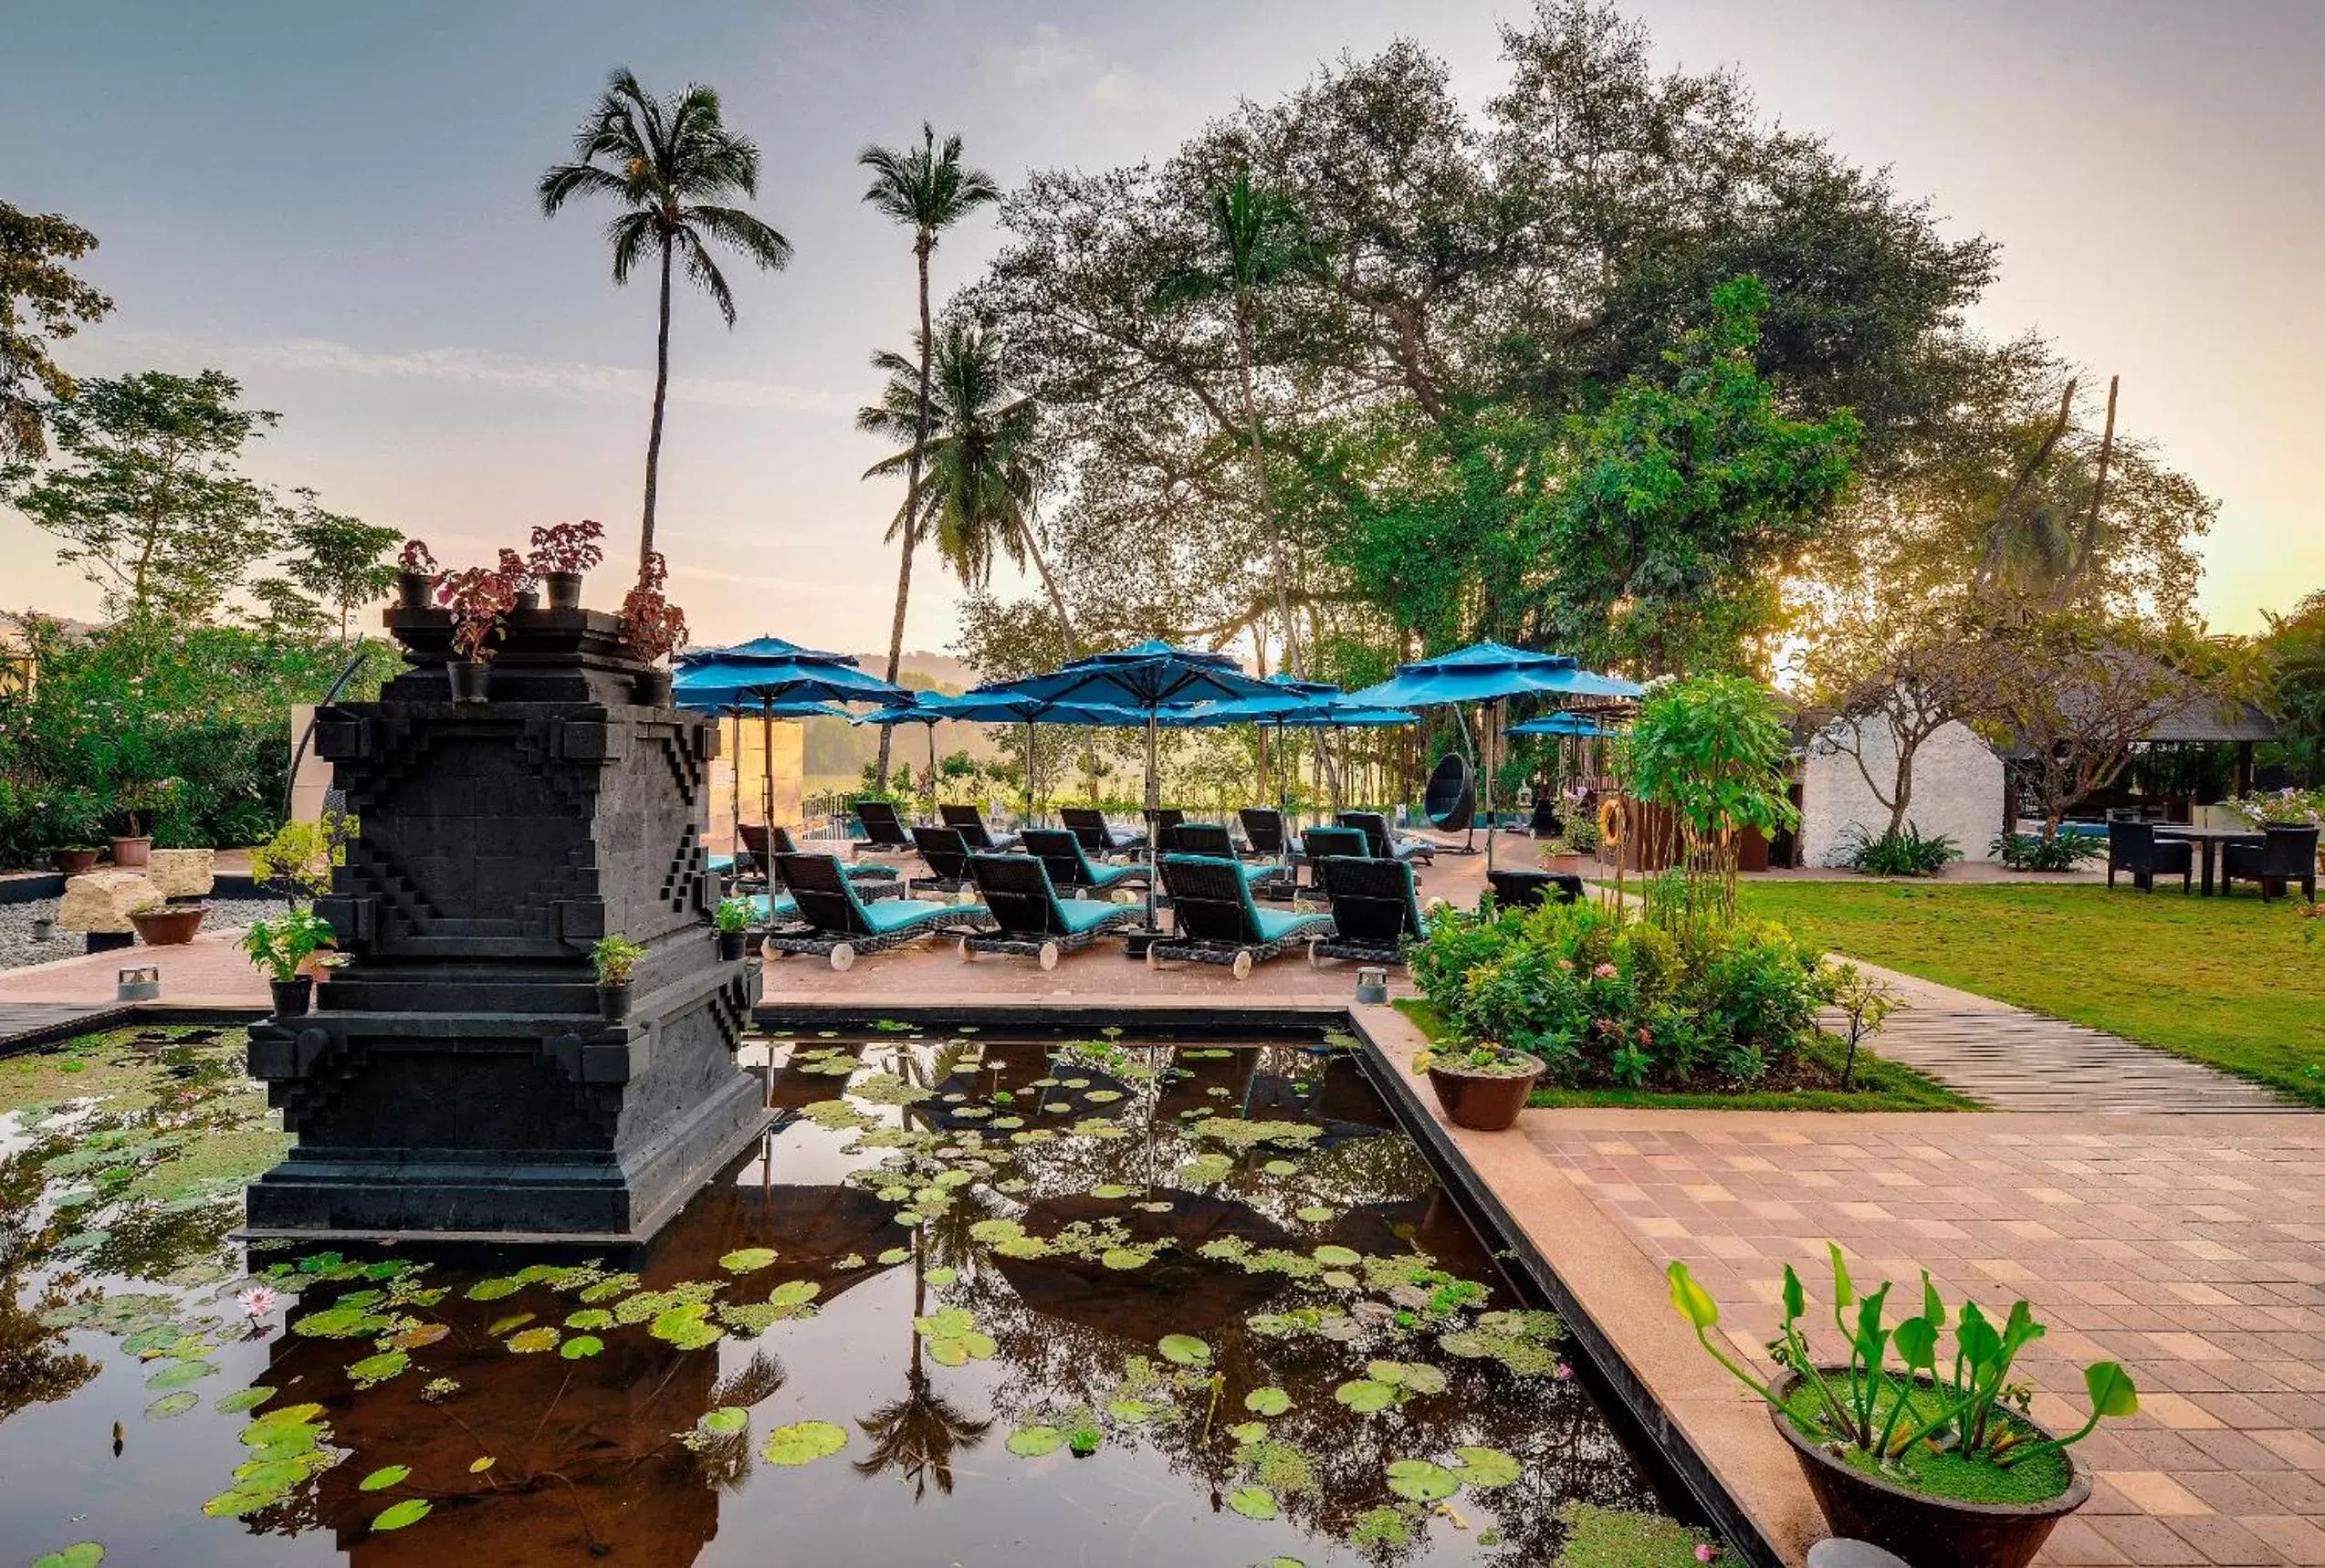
[(1485, 750), (767, 761), (734, 764), (1029, 774), (1154, 804)]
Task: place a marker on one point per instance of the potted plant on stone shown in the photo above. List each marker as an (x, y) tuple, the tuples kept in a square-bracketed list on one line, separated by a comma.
[(162, 924), (416, 575), (480, 598), (616, 960), (733, 920), (1482, 1086), (654, 628), (281, 947), (524, 587), (562, 554), (1937, 1460)]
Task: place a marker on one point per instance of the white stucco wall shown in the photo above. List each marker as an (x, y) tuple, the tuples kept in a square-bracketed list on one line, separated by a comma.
[(1957, 791)]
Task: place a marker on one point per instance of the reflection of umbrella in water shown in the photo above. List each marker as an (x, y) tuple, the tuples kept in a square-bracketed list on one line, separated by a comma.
[(1177, 1292)]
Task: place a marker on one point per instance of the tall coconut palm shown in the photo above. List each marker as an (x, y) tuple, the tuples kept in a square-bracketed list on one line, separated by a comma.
[(1258, 241), (981, 467), (671, 162), (929, 189)]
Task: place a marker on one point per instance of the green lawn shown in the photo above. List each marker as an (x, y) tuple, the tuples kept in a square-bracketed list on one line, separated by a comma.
[(2229, 981)]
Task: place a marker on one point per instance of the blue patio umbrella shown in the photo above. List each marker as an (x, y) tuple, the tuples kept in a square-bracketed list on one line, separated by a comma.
[(1488, 672), (933, 708), (1561, 723), (1146, 677)]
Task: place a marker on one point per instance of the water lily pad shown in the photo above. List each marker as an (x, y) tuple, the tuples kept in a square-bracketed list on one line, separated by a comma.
[(80, 1554), (383, 1478), (748, 1260), (178, 1373), (1184, 1350), (1364, 1397), (1267, 1401), (1332, 1257), (893, 1256), (725, 1421), (1316, 1214), (802, 1442), (1135, 1412), (943, 1274), (1123, 1258), (1339, 1279), (491, 1291), (243, 1399), (1253, 1502), (794, 1294), (1422, 1480), (479, 1466), (420, 1335), (411, 1511), (1112, 1189), (376, 1369), (1487, 1468), (513, 1321), (1247, 1431), (591, 1318), (1032, 1442), (534, 1340), (1280, 1168), (580, 1347), (170, 1404)]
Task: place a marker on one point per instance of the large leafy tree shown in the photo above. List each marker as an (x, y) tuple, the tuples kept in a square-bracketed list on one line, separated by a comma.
[(41, 301), (929, 190), (147, 498), (675, 169), (981, 464), (339, 559)]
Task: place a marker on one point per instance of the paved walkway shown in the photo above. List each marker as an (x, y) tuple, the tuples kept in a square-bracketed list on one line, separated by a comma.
[(2013, 1060), (2186, 1247)]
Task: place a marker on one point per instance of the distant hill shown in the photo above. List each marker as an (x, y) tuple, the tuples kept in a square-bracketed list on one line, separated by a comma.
[(837, 750)]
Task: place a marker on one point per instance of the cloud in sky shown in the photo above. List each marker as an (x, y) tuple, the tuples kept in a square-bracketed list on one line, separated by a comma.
[(1050, 57), (469, 367)]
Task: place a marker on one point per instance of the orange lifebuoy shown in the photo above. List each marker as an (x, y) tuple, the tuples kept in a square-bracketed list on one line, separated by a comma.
[(1610, 822)]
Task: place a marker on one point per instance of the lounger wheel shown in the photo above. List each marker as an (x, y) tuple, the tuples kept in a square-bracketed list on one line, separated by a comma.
[(1154, 960), (1315, 959), (963, 948), (1244, 963), (1047, 956), (843, 957)]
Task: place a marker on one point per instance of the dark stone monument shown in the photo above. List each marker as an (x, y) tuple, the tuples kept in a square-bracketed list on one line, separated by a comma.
[(456, 1075)]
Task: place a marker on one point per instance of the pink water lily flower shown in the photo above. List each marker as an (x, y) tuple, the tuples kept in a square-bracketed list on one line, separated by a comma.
[(258, 1301)]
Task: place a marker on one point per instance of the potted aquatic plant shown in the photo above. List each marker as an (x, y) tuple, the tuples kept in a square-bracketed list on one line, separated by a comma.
[(1936, 1460), (1482, 1086), (281, 947), (562, 554), (616, 958), (654, 628), (733, 920), (162, 924), (480, 598), (416, 575)]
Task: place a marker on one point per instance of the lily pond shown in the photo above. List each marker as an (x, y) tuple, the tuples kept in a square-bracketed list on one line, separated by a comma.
[(975, 1299)]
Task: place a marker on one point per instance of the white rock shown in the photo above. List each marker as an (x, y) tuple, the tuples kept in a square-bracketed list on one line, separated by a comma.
[(183, 874), (103, 900)]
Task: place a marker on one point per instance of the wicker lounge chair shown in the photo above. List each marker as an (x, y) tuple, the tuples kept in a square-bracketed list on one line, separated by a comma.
[(765, 842), (1383, 844), (1217, 922), (1098, 836), (1374, 910), (1263, 825), (1320, 844), (1029, 918), (1524, 889), (945, 851), (1073, 870), (971, 823), (884, 831), (841, 926), (1212, 840)]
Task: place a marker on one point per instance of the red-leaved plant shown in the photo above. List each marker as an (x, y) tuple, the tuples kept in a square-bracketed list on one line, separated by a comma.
[(651, 624), (417, 560), (567, 548), (520, 574), (480, 598)]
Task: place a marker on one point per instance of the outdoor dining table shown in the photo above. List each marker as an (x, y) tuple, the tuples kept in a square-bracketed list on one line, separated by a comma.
[(2208, 841)]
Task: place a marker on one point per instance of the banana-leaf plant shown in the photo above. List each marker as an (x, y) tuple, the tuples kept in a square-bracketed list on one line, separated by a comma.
[(1863, 1404)]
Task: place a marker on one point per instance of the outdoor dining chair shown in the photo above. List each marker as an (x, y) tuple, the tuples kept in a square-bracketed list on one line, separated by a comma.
[(1215, 921), (971, 823), (841, 927), (2287, 853), (1072, 868), (2133, 847), (1029, 917)]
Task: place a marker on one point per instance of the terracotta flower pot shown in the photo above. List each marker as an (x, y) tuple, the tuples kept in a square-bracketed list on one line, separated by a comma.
[(127, 851), (72, 863), (170, 925), (1567, 865), (471, 680), (1487, 1103), (1927, 1531), (563, 590), (292, 997)]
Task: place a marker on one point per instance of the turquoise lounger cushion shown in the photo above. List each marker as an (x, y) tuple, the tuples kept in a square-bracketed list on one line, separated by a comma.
[(764, 910), (1107, 875), (722, 863), (1084, 913), (1275, 924), (894, 915), (1254, 870)]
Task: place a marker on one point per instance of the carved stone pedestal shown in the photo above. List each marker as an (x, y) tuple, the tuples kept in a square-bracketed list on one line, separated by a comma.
[(456, 1076)]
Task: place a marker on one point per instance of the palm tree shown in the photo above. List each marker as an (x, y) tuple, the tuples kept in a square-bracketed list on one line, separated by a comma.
[(670, 161), (930, 190), (1259, 241), (980, 465)]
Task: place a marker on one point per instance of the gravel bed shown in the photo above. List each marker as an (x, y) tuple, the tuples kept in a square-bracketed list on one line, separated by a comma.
[(18, 948)]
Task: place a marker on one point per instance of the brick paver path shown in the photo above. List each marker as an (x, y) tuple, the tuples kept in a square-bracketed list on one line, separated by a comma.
[(2188, 1248)]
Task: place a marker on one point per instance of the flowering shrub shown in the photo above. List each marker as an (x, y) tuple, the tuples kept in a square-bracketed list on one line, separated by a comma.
[(651, 624), (566, 548), (1606, 1001), (2288, 805)]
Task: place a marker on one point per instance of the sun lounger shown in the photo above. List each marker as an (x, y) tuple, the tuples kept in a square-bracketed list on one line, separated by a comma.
[(1210, 839), (1029, 916), (970, 821), (945, 851), (885, 830), (778, 840), (1098, 836), (1385, 845), (1216, 921), (841, 926), (1073, 870), (1374, 910), (1263, 825)]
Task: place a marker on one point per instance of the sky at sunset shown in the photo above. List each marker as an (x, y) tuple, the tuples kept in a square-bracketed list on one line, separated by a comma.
[(333, 203)]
